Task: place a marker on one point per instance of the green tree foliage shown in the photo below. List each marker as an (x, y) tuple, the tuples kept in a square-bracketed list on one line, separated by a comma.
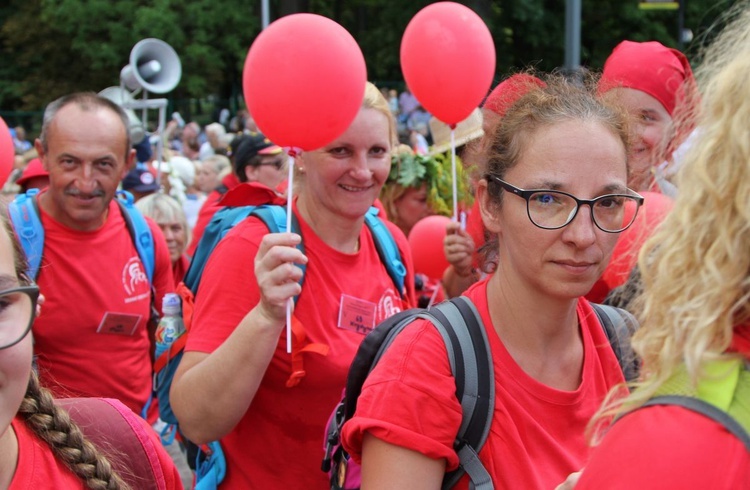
[(60, 46), (52, 47)]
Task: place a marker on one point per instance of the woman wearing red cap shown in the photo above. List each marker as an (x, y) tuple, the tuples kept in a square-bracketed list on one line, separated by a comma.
[(652, 82)]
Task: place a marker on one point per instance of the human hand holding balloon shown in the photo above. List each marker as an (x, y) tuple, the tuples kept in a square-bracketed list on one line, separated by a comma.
[(304, 81), (458, 247), (277, 276)]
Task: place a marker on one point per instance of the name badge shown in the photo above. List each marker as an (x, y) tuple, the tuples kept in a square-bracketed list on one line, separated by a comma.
[(356, 314), (119, 324)]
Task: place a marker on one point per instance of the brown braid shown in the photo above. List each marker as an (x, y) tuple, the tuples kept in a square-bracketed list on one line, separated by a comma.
[(53, 425)]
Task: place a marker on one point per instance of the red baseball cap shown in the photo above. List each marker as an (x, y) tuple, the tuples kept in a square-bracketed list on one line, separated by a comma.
[(33, 169)]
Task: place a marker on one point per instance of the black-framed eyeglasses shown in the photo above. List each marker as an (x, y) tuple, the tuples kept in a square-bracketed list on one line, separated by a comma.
[(17, 312), (552, 210)]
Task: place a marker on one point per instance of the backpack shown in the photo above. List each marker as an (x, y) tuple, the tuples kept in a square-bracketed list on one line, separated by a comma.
[(119, 434), (470, 358), (209, 461), (24, 215), (723, 395)]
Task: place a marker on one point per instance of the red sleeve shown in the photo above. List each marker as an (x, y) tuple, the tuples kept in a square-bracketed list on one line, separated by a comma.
[(404, 402), (667, 447), (163, 279)]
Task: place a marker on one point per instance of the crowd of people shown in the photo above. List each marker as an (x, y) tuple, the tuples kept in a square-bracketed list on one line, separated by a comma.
[(569, 186)]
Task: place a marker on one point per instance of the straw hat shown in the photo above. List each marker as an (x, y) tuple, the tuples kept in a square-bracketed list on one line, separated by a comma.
[(467, 130)]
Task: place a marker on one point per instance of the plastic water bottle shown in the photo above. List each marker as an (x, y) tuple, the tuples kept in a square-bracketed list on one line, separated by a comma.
[(170, 326)]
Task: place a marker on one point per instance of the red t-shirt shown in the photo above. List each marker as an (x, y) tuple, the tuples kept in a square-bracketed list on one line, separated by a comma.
[(37, 466), (85, 277), (667, 447), (279, 441), (537, 433), (207, 211)]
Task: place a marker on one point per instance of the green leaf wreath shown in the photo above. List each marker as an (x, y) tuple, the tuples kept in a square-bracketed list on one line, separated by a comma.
[(409, 170)]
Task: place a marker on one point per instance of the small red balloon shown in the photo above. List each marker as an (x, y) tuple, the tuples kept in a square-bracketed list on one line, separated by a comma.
[(448, 60), (426, 242), (304, 80), (7, 152)]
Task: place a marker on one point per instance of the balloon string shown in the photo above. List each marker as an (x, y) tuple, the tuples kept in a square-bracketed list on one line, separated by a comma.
[(453, 174), (292, 152)]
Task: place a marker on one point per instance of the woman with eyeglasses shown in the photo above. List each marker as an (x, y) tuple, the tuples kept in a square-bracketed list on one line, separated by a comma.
[(554, 195), (40, 445)]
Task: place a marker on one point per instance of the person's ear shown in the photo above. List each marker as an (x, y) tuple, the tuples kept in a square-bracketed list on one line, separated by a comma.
[(489, 208), (130, 160), (40, 152)]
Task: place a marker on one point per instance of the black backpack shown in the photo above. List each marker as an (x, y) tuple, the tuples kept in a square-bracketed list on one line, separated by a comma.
[(463, 332)]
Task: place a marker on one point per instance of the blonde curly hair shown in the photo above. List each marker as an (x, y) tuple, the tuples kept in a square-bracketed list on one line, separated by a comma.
[(696, 267)]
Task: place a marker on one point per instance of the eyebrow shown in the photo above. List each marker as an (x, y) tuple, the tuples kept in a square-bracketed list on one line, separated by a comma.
[(108, 156), (557, 186), (8, 282)]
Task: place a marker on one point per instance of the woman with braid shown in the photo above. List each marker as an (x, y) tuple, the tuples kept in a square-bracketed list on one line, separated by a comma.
[(40, 446)]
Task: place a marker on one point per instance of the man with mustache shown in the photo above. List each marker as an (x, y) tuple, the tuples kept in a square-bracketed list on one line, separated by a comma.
[(93, 338)]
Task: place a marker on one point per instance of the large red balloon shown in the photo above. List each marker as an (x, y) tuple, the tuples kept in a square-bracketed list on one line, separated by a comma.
[(448, 60), (655, 208), (426, 242), (304, 80), (7, 152)]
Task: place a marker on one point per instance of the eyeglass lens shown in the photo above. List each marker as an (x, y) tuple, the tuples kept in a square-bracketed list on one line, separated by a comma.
[(16, 314), (551, 209)]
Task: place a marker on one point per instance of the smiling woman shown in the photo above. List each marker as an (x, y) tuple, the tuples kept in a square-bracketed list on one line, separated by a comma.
[(238, 336), (553, 196), (653, 83)]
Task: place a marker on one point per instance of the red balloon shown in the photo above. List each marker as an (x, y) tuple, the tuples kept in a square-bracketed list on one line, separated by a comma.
[(448, 60), (7, 152), (655, 208), (426, 242), (304, 81)]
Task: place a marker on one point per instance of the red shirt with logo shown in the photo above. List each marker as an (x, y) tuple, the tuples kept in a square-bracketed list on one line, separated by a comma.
[(91, 338), (279, 441)]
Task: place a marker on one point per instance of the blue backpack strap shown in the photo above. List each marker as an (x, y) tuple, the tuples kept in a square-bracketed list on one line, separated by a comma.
[(24, 215), (387, 249), (139, 230)]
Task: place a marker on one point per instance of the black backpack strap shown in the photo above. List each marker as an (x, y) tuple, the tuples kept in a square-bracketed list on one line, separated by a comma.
[(619, 325), (706, 409), (470, 358), (468, 348)]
